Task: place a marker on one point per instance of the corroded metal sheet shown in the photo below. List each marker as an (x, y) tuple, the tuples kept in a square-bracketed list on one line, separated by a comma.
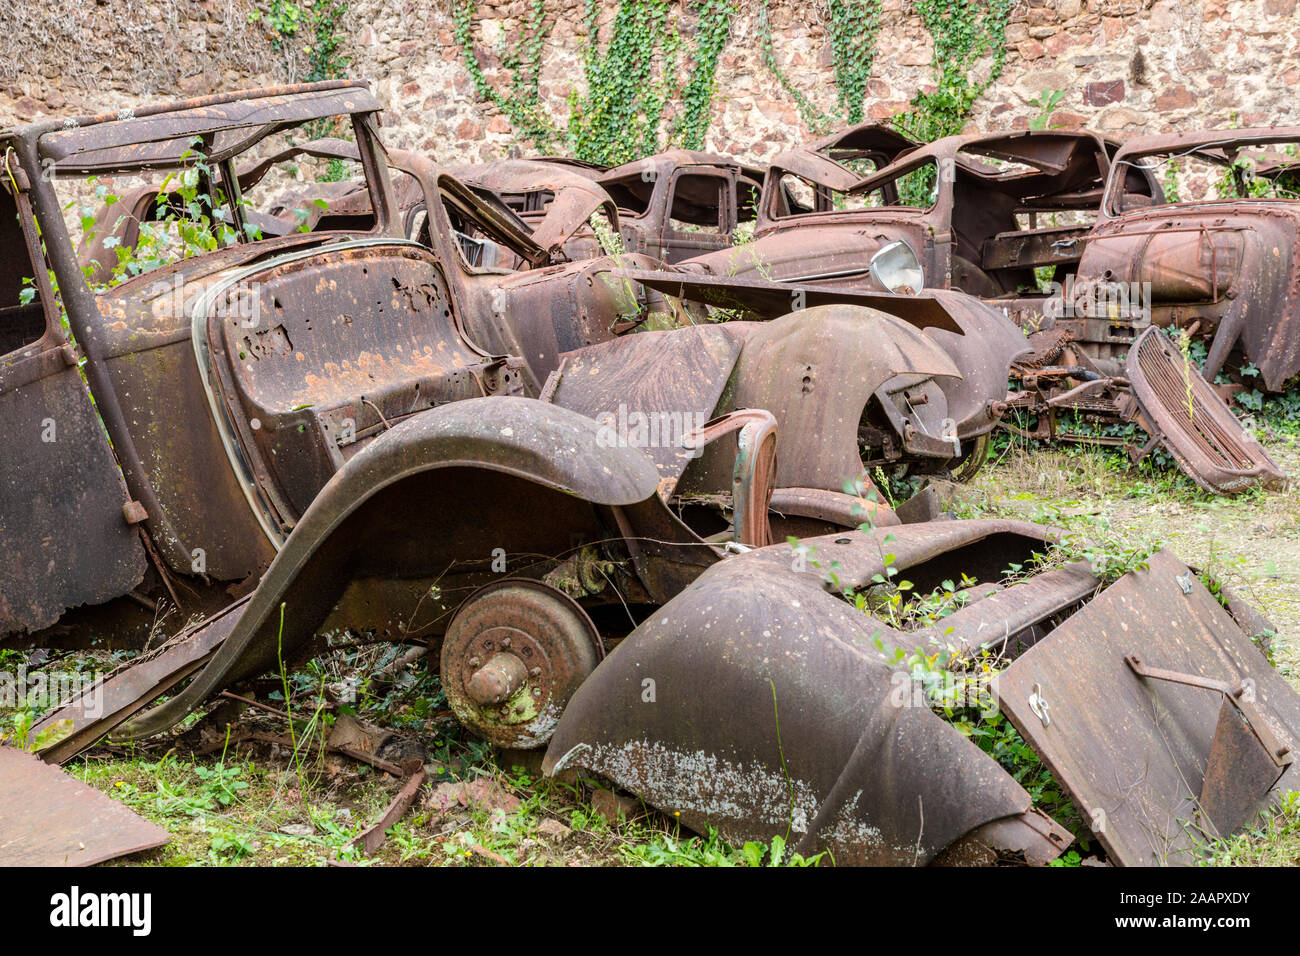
[(816, 371), (1132, 752), (106, 704), (64, 540), (1226, 269), (1193, 422), (771, 299), (49, 818), (650, 390)]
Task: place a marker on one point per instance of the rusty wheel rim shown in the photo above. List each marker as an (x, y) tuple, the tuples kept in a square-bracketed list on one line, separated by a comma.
[(513, 656)]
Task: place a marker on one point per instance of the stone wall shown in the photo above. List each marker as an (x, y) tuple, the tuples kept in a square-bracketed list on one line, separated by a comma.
[(1125, 65)]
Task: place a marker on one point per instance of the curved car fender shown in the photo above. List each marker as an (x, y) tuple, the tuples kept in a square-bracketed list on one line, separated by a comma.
[(758, 703), (816, 370), (375, 518), (989, 342)]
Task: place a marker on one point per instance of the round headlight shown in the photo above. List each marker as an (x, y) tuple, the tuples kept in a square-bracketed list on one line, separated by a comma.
[(896, 267)]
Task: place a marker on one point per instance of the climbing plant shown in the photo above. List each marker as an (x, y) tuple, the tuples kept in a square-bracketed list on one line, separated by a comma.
[(616, 118), (284, 21), (711, 32), (632, 82), (324, 60), (963, 31), (632, 103), (853, 28), (522, 60)]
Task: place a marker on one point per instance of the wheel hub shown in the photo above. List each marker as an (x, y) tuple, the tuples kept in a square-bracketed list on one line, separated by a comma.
[(513, 656)]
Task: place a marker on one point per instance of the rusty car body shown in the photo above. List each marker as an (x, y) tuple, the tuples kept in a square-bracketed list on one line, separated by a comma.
[(1219, 263), (1006, 217), (523, 296), (323, 433), (670, 206)]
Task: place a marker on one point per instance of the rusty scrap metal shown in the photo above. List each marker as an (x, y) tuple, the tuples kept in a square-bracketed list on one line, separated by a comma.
[(873, 782), (297, 456), (372, 838), (107, 703), (513, 656), (1162, 393), (754, 472), (50, 818), (1225, 266), (1133, 752), (1193, 422)]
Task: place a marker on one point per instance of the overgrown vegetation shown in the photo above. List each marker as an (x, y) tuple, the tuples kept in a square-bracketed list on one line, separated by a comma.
[(851, 27), (523, 60), (632, 103), (241, 800), (964, 32), (233, 801), (313, 31)]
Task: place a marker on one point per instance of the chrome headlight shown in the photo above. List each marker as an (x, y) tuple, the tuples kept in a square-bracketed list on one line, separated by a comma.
[(896, 267)]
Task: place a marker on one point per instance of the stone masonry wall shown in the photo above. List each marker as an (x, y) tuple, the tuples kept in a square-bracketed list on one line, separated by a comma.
[(1125, 65)]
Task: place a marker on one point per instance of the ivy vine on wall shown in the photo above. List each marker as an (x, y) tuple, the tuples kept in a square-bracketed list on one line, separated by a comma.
[(321, 41), (851, 27), (713, 27), (963, 31), (523, 60), (617, 117), (634, 103), (632, 80)]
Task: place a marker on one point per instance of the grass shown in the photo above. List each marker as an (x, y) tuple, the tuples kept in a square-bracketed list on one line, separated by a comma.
[(1274, 841), (1250, 543), (250, 812)]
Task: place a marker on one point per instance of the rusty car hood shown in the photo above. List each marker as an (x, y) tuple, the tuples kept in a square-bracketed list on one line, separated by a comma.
[(817, 248)]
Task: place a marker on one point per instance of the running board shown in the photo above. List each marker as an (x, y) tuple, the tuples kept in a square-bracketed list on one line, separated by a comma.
[(110, 701)]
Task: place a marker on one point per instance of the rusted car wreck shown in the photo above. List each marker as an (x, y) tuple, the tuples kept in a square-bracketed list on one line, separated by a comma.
[(322, 432), (990, 215), (671, 206), (1219, 259)]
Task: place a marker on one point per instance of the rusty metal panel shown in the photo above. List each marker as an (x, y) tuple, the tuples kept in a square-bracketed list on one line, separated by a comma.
[(352, 340), (49, 818), (63, 539), (773, 299), (816, 371), (773, 713), (649, 390), (160, 135), (1239, 773), (1193, 422), (1132, 752)]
